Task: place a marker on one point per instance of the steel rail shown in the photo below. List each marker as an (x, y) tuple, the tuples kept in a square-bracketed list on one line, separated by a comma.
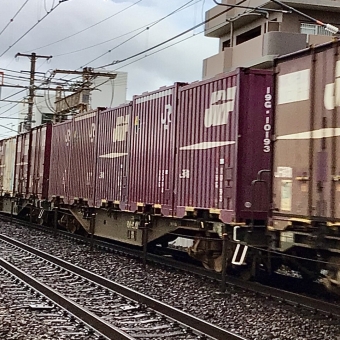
[(179, 316), (254, 287), (91, 319)]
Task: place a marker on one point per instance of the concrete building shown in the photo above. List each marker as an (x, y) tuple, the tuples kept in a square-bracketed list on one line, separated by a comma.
[(109, 93), (249, 39)]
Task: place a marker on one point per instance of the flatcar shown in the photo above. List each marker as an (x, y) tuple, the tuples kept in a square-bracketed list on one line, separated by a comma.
[(251, 155)]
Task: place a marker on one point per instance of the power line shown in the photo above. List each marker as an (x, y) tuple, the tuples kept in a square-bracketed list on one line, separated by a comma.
[(147, 28), (87, 28), (140, 58), (166, 41), (37, 75), (258, 9), (120, 36), (186, 5), (101, 43), (38, 22), (46, 7), (328, 27), (11, 20), (170, 45), (12, 95), (164, 48)]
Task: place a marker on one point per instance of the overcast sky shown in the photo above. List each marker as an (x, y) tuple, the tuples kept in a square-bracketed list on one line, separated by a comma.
[(181, 62)]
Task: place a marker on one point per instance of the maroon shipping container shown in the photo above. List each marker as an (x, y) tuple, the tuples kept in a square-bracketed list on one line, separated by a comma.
[(60, 154), (82, 163), (39, 161), (22, 167), (113, 150), (223, 140), (307, 130), (152, 148)]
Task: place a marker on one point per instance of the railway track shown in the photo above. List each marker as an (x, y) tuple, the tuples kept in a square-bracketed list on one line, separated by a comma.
[(282, 297), (24, 310), (115, 311)]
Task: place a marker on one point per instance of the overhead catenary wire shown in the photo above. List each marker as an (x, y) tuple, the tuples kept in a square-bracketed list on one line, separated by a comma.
[(15, 15), (289, 9), (146, 29), (30, 29), (85, 29), (166, 41), (120, 36), (327, 26), (37, 75), (45, 6), (186, 5), (230, 7), (143, 56), (331, 28)]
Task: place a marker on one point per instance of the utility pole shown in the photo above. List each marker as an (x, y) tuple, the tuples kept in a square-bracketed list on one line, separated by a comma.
[(78, 101), (33, 57)]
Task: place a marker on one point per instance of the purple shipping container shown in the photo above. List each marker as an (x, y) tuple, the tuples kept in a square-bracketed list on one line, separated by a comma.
[(60, 154), (22, 164), (112, 160), (152, 148), (223, 140), (39, 161), (82, 163)]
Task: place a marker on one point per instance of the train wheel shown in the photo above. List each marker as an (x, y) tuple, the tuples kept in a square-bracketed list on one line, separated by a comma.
[(69, 223), (332, 278), (209, 252), (213, 263)]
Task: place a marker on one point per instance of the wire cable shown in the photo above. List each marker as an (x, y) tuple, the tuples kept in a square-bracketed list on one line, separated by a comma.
[(85, 29), (146, 29), (47, 11), (38, 22), (11, 20)]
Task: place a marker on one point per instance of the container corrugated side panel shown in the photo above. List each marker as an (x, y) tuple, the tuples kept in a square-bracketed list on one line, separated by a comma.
[(83, 157), (152, 148), (206, 139), (40, 158), (8, 154), (254, 145), (45, 168), (213, 140), (2, 164), (113, 154), (22, 165), (59, 162), (307, 124), (34, 161)]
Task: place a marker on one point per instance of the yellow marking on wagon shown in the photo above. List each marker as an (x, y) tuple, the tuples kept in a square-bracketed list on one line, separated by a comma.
[(300, 220)]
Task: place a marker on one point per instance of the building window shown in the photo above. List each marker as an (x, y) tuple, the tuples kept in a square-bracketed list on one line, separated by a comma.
[(225, 44), (253, 33), (313, 29)]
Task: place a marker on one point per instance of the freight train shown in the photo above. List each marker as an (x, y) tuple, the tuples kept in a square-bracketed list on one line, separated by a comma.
[(249, 156)]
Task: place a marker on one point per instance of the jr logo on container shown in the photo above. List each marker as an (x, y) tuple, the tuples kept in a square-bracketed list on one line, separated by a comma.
[(166, 116), (222, 102), (121, 128)]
